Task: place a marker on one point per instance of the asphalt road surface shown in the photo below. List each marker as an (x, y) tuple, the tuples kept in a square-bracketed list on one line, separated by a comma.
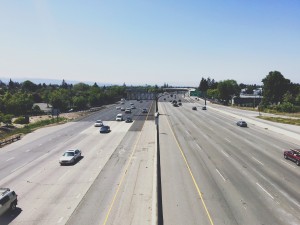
[(111, 173), (214, 172)]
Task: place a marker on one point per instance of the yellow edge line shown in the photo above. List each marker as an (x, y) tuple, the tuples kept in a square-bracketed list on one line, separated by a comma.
[(190, 171), (125, 172)]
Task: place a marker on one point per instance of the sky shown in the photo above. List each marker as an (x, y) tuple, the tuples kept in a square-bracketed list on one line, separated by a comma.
[(147, 42)]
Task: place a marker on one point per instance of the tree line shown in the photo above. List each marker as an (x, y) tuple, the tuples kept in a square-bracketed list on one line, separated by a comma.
[(17, 99), (278, 92)]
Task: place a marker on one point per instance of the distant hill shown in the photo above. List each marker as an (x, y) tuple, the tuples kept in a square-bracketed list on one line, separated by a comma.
[(52, 81)]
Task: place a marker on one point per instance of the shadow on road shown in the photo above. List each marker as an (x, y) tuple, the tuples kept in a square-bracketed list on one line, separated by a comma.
[(8, 217)]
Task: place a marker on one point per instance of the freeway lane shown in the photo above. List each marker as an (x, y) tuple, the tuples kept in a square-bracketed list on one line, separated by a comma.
[(241, 172), (49, 193)]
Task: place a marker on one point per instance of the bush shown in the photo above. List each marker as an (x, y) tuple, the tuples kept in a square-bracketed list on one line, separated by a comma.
[(21, 120), (286, 107)]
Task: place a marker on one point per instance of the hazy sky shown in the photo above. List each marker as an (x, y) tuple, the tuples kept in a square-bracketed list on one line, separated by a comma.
[(150, 41)]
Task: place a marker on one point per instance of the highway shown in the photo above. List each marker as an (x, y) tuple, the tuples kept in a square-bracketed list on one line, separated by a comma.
[(212, 171), (52, 194)]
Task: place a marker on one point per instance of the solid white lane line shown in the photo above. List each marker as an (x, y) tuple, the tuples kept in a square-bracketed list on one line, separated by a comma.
[(18, 168), (226, 139), (225, 154), (257, 161), (220, 175), (265, 190), (204, 135), (199, 146), (60, 220), (288, 163), (10, 159)]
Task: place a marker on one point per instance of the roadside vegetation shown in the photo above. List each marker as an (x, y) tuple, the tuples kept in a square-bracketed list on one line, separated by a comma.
[(20, 101), (11, 131), (281, 120), (277, 95)]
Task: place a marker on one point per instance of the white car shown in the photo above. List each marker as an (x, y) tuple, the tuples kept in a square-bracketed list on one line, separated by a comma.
[(128, 110), (8, 200), (70, 157), (119, 117), (118, 107), (98, 123)]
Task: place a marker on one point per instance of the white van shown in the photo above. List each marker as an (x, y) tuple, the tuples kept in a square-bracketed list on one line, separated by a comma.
[(119, 117)]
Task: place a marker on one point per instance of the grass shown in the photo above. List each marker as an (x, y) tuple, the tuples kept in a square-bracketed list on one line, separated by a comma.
[(297, 114), (281, 120)]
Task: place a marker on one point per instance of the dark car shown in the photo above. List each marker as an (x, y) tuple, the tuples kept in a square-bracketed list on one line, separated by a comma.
[(105, 129), (204, 108), (144, 111), (293, 154), (241, 123), (194, 108), (179, 103), (128, 120)]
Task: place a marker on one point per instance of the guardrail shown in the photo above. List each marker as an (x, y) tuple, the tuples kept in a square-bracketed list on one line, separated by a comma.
[(9, 140)]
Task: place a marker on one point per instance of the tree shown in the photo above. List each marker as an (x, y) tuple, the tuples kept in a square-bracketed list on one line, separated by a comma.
[(227, 89), (80, 102), (29, 86), (275, 86), (288, 97), (203, 86), (59, 99), (297, 99), (18, 103), (213, 93)]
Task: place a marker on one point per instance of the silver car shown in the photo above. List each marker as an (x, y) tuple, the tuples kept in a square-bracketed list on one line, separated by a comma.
[(70, 157)]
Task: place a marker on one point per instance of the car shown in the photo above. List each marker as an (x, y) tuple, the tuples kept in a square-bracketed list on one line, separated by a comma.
[(128, 110), (293, 154), (122, 109), (131, 103), (175, 104), (105, 129), (132, 107), (141, 101), (179, 103), (118, 107), (241, 123), (194, 108), (179, 100), (119, 117), (8, 200), (144, 110), (70, 157), (128, 119), (203, 107), (98, 123)]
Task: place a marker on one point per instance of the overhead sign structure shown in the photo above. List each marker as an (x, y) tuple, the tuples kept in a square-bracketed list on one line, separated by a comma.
[(195, 93), (136, 95)]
